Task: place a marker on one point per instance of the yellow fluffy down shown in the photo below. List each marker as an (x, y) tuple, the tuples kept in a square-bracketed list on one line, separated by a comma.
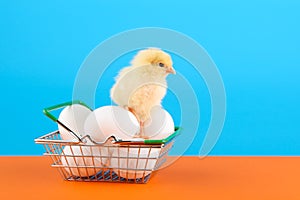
[(143, 85)]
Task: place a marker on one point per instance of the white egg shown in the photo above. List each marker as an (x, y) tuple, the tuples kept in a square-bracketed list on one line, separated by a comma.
[(73, 117), (111, 120), (77, 158), (131, 163), (160, 125), (101, 154)]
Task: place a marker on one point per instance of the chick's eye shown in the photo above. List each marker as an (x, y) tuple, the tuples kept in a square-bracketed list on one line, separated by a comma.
[(161, 64)]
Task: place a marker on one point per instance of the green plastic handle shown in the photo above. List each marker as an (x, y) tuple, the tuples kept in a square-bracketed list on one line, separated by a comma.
[(166, 140), (47, 111)]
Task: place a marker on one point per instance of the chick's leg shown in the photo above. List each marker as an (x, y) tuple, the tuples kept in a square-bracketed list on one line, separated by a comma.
[(140, 134)]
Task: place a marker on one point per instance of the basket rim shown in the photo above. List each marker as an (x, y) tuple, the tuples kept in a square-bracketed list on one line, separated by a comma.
[(44, 140)]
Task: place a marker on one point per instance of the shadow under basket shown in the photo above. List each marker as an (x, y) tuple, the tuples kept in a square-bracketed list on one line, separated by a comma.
[(112, 161)]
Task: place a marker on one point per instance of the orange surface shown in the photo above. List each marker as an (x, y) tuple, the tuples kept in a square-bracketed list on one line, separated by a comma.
[(189, 177)]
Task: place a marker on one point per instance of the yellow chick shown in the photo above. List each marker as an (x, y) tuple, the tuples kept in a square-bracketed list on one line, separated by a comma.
[(143, 85)]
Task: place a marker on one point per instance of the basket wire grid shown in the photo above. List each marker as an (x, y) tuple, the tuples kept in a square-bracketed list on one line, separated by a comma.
[(110, 161), (81, 163)]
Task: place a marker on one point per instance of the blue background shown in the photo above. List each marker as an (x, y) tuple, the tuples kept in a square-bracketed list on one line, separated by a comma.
[(255, 45)]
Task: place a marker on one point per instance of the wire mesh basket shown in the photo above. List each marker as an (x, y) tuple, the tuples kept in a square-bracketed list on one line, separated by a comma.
[(110, 161)]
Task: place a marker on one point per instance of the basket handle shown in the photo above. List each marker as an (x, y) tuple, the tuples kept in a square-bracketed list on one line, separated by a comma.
[(152, 141), (165, 140), (47, 112)]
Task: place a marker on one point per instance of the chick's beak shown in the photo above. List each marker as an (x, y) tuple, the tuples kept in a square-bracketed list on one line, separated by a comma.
[(170, 70)]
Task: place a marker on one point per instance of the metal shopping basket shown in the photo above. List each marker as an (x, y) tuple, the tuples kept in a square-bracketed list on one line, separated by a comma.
[(113, 160)]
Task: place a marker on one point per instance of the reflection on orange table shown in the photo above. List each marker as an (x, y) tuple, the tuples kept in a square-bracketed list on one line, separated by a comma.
[(189, 177)]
